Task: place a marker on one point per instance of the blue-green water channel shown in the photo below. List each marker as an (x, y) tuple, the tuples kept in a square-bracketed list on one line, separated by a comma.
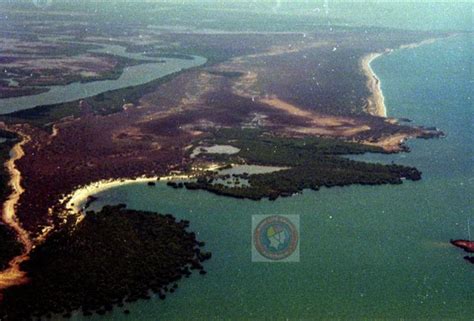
[(152, 69)]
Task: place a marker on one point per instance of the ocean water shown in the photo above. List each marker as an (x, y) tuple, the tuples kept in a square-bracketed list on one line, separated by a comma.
[(366, 252), (415, 15)]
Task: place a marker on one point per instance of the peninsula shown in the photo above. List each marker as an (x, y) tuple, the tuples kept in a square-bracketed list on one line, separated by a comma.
[(300, 101)]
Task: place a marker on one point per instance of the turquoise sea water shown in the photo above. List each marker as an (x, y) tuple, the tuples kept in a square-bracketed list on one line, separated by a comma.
[(366, 253), (405, 14)]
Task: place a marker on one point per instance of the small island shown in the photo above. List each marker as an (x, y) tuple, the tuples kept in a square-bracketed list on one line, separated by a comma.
[(467, 246)]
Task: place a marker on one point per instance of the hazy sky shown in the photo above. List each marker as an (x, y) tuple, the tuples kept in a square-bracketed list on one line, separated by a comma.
[(405, 14)]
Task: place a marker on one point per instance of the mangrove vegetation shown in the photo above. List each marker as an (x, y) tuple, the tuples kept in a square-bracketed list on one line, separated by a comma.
[(109, 258), (310, 163)]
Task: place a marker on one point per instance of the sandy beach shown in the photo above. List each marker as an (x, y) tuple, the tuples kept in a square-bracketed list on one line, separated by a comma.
[(76, 200), (376, 101)]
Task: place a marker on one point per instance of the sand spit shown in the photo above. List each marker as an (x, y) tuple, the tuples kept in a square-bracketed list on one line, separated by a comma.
[(418, 44)]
